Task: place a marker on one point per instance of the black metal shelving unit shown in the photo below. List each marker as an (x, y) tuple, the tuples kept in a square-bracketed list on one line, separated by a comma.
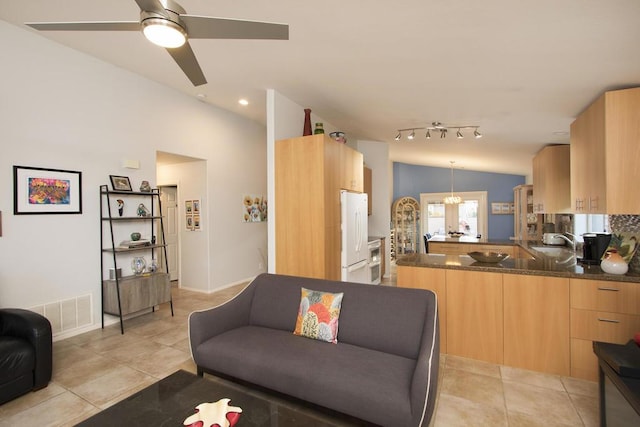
[(149, 281)]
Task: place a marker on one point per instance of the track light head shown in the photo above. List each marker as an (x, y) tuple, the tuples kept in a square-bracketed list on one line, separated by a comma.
[(428, 134), (459, 134), (412, 134), (398, 136), (443, 133), (477, 134)]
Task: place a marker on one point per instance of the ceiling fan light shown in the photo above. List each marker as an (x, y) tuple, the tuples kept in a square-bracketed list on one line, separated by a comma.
[(163, 32)]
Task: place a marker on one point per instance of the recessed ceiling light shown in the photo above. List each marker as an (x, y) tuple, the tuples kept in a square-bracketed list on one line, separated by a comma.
[(243, 102), (201, 96)]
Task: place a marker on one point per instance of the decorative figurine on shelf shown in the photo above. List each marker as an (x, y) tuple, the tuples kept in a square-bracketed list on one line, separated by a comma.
[(138, 264), (145, 187), (120, 206), (154, 266), (319, 129), (135, 236), (142, 210)]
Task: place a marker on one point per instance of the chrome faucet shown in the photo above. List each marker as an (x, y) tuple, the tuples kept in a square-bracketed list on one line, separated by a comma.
[(568, 240)]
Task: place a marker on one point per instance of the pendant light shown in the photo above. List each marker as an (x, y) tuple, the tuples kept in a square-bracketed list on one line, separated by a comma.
[(452, 200)]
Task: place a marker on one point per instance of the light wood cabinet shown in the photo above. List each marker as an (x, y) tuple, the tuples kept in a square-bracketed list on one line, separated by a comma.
[(527, 225), (432, 279), (605, 155), (310, 171), (136, 293), (600, 311), (475, 315), (536, 323), (552, 180), (368, 188)]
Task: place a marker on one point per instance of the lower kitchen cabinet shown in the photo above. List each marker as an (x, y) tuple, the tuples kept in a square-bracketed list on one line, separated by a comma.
[(475, 315), (600, 311), (432, 279), (136, 293), (536, 323)]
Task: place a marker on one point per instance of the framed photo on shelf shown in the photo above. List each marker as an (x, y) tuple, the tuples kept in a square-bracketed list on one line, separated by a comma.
[(120, 183), (46, 191)]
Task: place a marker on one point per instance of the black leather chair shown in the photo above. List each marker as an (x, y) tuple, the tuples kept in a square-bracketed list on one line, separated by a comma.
[(25, 352)]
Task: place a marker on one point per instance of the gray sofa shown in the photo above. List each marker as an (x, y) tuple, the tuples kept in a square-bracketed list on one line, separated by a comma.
[(384, 368)]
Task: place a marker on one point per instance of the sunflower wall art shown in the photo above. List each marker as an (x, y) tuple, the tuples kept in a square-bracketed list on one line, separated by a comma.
[(254, 208)]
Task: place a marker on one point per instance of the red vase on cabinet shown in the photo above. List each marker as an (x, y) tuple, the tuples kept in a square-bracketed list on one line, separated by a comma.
[(307, 122)]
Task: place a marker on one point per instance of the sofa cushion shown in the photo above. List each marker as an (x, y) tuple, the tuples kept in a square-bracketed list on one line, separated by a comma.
[(17, 358), (318, 315), (343, 377)]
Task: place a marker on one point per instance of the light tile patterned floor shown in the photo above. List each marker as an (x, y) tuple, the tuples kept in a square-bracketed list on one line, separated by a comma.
[(94, 370)]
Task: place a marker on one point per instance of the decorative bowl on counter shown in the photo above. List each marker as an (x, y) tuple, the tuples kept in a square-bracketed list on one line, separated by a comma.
[(488, 257)]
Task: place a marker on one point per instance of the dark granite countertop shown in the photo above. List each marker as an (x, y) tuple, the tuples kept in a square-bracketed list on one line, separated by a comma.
[(469, 239), (562, 263)]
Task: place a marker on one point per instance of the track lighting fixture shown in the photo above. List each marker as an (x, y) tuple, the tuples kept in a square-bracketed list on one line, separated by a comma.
[(438, 127)]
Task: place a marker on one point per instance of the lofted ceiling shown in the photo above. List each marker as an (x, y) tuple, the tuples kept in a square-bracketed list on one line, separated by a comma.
[(521, 71)]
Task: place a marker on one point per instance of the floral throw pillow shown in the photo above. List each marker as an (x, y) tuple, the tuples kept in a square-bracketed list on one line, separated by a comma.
[(318, 315)]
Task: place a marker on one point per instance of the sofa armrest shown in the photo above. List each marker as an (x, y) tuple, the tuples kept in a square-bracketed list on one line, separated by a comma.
[(425, 377), (232, 314), (36, 329)]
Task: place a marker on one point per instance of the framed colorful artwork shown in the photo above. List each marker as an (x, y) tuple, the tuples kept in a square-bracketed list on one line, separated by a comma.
[(46, 191)]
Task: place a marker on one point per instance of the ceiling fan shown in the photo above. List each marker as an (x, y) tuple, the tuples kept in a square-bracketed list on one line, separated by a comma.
[(166, 23)]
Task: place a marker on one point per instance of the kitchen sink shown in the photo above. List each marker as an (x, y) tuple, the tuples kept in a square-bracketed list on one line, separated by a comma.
[(551, 250)]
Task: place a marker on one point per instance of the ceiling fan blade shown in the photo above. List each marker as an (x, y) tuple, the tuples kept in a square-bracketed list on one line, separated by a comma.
[(85, 26), (186, 59), (206, 27), (152, 6)]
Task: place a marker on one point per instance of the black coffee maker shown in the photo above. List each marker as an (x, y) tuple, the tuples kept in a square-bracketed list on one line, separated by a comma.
[(594, 246)]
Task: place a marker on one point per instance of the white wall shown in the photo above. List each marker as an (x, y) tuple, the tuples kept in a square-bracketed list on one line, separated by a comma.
[(376, 157), (63, 109)]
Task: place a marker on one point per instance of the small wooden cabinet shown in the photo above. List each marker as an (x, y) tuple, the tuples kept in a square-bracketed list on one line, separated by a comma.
[(600, 311), (605, 154), (551, 180), (310, 171), (136, 293), (536, 323)]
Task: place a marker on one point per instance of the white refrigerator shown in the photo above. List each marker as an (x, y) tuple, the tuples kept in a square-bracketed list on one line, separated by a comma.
[(354, 225)]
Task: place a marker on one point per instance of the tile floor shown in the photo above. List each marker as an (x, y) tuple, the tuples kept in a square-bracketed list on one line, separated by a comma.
[(94, 370)]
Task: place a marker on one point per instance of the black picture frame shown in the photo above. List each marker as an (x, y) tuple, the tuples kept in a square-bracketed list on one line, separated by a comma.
[(120, 183), (46, 191)]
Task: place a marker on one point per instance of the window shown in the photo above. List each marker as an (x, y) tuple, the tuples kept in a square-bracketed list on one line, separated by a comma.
[(469, 217)]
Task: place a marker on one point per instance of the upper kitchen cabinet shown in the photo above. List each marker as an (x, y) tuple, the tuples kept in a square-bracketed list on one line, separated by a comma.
[(605, 155), (310, 171), (368, 188), (551, 180)]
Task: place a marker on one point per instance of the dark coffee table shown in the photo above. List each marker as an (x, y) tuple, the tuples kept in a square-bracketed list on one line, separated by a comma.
[(171, 400)]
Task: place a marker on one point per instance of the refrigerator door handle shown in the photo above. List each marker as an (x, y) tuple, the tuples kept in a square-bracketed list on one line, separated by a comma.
[(357, 266)]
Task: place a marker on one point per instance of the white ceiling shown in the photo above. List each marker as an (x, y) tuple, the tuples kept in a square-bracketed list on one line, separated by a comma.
[(521, 71)]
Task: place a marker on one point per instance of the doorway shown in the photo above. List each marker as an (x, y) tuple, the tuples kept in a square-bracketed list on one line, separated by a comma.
[(169, 200)]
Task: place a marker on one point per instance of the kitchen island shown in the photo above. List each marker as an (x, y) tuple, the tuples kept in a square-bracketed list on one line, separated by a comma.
[(539, 313)]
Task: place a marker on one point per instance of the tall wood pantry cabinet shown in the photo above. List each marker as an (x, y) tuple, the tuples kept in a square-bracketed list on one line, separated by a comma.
[(310, 171), (605, 155)]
